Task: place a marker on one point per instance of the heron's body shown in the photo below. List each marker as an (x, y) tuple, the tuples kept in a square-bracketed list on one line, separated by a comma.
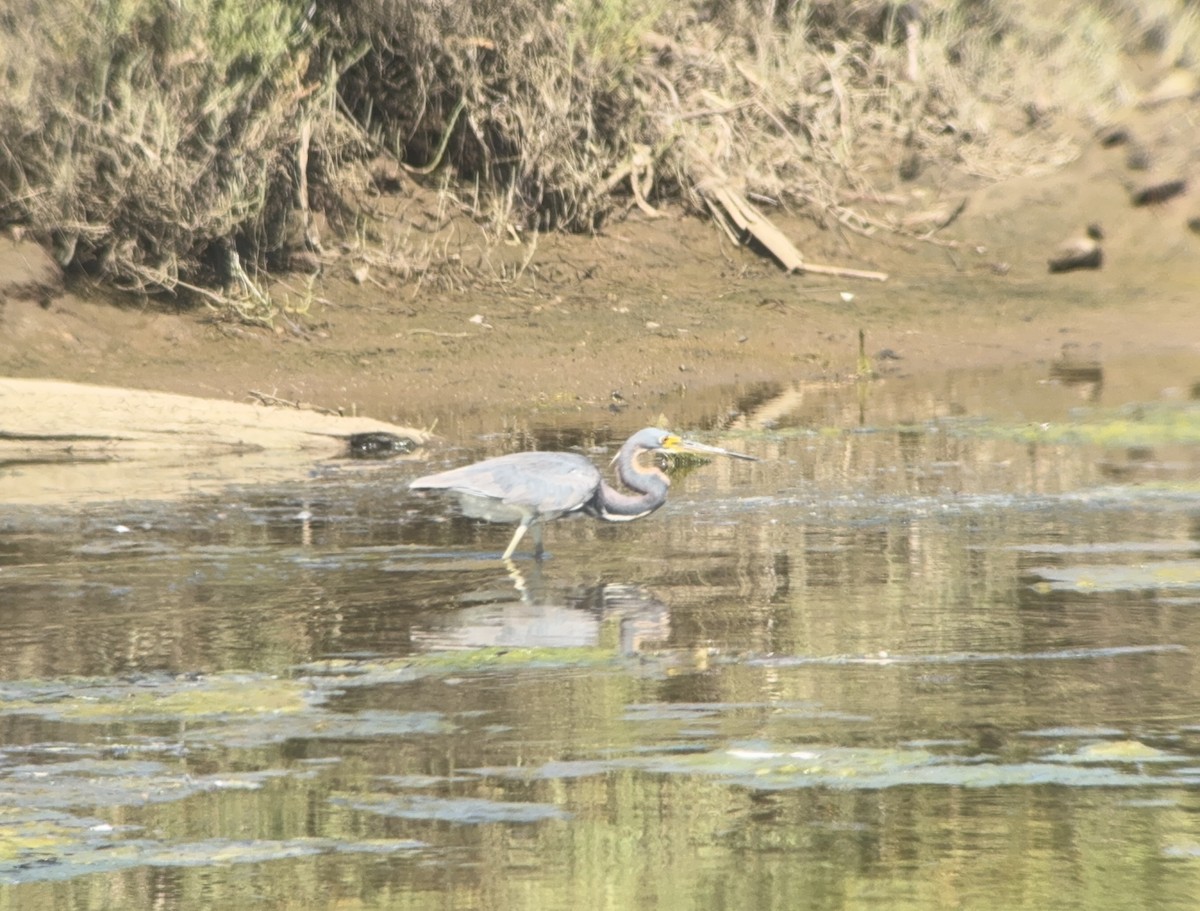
[(531, 488)]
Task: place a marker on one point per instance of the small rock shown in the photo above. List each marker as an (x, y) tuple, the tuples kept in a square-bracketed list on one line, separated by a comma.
[(1177, 84), (911, 167), (1079, 252), (1071, 372), (1158, 191), (1137, 158)]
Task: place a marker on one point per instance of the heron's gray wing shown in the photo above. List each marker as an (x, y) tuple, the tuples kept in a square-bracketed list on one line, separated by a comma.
[(544, 483)]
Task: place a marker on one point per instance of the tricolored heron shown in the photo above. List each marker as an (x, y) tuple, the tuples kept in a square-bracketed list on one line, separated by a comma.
[(531, 488)]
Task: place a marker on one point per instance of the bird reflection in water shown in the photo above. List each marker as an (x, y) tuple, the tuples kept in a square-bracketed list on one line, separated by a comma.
[(574, 619)]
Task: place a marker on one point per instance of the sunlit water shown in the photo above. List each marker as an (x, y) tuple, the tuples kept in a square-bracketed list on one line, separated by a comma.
[(901, 662)]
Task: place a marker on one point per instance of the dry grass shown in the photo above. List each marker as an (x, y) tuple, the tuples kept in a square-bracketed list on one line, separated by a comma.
[(151, 142), (566, 107), (164, 146)]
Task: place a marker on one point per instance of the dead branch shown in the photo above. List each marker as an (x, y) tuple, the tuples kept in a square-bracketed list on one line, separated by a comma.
[(732, 211)]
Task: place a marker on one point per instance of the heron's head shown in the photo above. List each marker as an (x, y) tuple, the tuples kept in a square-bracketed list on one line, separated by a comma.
[(654, 440)]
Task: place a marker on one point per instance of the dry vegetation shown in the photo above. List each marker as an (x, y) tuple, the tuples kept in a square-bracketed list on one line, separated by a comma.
[(167, 147)]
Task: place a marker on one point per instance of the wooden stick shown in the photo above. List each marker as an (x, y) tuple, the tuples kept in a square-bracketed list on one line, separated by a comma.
[(733, 210), (844, 272)]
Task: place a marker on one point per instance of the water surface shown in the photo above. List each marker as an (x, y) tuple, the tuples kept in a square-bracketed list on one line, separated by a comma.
[(936, 649)]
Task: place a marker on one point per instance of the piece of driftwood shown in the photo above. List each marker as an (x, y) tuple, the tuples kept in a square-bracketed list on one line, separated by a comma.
[(741, 221)]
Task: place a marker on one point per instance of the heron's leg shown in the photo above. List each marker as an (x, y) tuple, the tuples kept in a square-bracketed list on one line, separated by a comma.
[(516, 539), (537, 540)]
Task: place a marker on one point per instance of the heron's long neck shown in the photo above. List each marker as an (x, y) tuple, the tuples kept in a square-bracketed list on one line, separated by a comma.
[(650, 485), (616, 506)]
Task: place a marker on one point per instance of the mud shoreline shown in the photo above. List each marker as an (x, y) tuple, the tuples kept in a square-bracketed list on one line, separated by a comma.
[(652, 311)]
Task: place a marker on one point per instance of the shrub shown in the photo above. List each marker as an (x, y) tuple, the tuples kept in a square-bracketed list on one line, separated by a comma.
[(150, 140), (160, 144)]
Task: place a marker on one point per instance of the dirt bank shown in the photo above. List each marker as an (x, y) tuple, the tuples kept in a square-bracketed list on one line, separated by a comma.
[(653, 308)]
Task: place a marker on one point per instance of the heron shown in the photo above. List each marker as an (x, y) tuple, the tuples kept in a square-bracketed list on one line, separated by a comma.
[(532, 488)]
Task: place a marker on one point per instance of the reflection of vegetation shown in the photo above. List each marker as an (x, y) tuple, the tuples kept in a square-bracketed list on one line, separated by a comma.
[(479, 659), (708, 807), (770, 767), (35, 847), (859, 699), (464, 661), (24, 835), (468, 810), (203, 697), (1131, 426)]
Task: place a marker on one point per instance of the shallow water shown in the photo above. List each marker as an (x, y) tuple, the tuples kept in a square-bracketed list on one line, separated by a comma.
[(936, 649)]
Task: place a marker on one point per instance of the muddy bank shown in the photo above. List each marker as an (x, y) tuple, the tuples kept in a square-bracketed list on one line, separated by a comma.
[(651, 311), (83, 442)]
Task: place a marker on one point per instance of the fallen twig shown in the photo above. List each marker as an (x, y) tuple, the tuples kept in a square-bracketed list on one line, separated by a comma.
[(265, 398), (435, 332), (733, 211)]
